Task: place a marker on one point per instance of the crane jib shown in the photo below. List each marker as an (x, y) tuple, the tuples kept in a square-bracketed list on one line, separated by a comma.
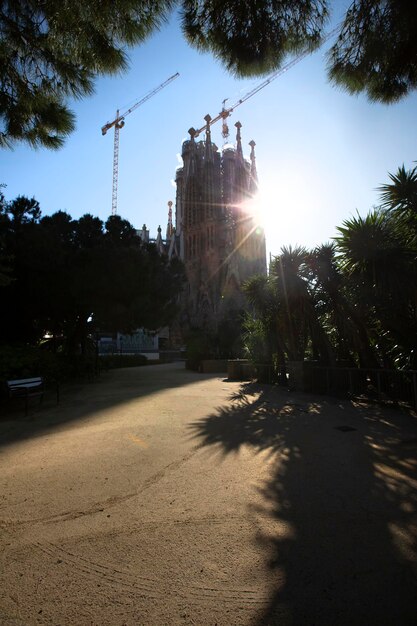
[(226, 112)]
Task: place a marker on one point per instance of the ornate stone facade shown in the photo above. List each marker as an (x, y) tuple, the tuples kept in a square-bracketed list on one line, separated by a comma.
[(216, 231)]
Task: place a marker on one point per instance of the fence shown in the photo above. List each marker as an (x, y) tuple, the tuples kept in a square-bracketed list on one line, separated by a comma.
[(166, 356), (266, 373), (378, 384)]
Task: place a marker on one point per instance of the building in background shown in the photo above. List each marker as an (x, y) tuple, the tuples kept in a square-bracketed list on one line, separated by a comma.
[(216, 232)]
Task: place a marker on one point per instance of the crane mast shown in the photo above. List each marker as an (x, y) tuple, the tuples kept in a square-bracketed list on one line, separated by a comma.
[(118, 123), (117, 128)]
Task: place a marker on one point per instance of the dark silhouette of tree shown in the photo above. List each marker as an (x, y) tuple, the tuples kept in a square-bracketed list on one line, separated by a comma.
[(342, 318), (375, 52), (253, 38), (381, 265), (51, 51), (354, 300), (284, 301), (5, 260), (69, 277), (399, 197)]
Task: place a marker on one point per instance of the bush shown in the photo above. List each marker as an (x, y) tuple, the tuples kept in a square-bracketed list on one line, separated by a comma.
[(199, 347), (28, 361)]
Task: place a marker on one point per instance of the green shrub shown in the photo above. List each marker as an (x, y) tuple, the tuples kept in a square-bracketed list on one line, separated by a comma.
[(20, 361), (199, 346)]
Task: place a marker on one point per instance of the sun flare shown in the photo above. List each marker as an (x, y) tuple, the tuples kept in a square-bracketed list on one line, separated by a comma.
[(282, 207)]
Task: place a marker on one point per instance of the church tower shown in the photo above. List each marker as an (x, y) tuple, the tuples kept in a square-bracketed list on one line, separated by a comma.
[(219, 240)]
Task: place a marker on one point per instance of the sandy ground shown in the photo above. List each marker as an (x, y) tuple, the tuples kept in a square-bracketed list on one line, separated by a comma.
[(156, 496)]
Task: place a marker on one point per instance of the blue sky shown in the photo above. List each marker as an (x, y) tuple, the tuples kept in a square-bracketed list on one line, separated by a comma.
[(321, 153)]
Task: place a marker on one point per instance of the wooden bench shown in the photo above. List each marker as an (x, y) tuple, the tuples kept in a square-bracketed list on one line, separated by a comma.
[(26, 388)]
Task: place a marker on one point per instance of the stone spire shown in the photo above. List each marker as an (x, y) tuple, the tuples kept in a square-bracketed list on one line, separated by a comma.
[(209, 151), (159, 242), (253, 180), (144, 234), (170, 228), (192, 167), (239, 150)]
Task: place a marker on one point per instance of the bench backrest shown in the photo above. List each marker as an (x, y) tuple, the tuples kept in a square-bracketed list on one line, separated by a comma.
[(22, 382)]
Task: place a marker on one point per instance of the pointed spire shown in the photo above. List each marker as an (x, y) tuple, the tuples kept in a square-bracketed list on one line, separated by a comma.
[(144, 234), (192, 167), (209, 152), (253, 181), (170, 227), (208, 132), (159, 242), (239, 141)]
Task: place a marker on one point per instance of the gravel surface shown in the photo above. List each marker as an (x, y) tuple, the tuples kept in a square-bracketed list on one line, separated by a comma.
[(157, 496)]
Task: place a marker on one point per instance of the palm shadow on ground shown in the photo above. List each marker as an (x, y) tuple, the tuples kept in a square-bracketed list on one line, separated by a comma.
[(341, 495)]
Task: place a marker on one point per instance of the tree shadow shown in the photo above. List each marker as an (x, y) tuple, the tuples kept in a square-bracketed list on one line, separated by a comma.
[(115, 388), (337, 518)]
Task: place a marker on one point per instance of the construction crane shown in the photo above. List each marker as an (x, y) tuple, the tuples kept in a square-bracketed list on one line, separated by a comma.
[(118, 123), (225, 112)]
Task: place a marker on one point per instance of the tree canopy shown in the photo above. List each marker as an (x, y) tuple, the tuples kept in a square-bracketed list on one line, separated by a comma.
[(52, 50), (375, 51), (353, 301), (70, 277)]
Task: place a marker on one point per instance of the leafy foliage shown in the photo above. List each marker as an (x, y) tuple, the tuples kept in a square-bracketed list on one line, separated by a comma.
[(54, 49), (5, 260), (71, 277), (253, 38), (353, 301), (376, 50), (401, 193), (379, 255), (20, 361)]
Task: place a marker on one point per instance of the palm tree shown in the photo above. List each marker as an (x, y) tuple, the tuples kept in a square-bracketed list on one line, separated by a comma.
[(285, 304), (342, 318), (400, 198), (401, 193), (379, 264), (263, 337), (291, 274)]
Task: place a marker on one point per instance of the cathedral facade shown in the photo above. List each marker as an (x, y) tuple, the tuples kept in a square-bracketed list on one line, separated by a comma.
[(216, 233), (220, 241)]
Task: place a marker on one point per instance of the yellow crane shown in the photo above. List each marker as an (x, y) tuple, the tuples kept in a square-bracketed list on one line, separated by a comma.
[(118, 123)]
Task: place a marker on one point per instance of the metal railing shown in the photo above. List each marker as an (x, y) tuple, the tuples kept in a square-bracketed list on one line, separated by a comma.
[(383, 385), (164, 355), (378, 384)]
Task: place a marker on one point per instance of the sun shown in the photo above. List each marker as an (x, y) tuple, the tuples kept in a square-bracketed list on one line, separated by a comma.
[(283, 209), (257, 207), (252, 206), (274, 209)]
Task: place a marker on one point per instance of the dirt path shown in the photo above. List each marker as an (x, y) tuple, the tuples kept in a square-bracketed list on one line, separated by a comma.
[(158, 496)]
